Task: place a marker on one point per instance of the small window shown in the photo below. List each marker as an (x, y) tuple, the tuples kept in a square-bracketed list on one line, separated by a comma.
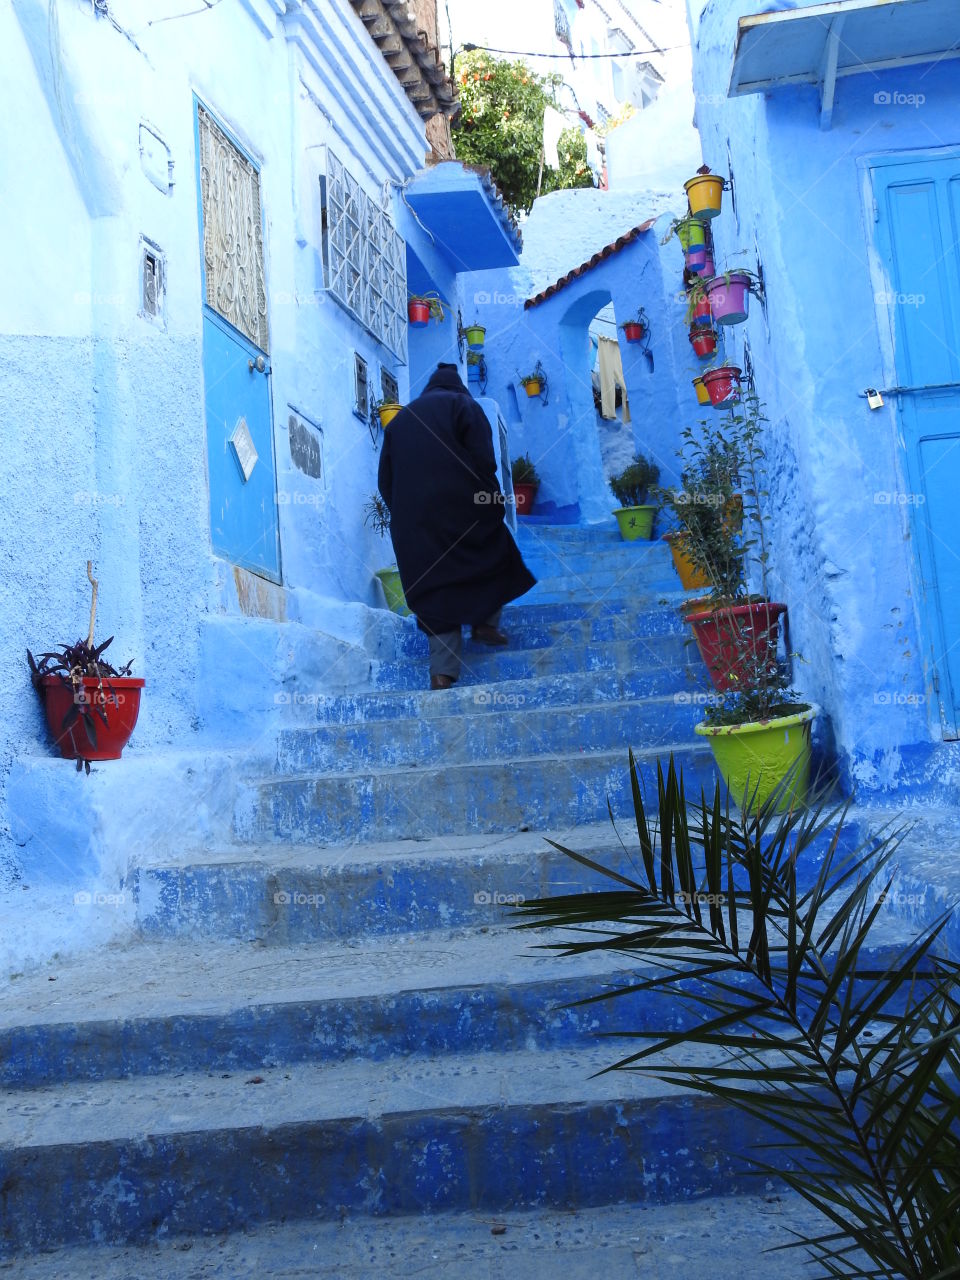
[(151, 281), (361, 387), (389, 387)]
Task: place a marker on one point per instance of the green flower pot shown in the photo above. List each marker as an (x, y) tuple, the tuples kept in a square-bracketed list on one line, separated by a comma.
[(635, 522), (393, 590), (475, 334), (755, 758)]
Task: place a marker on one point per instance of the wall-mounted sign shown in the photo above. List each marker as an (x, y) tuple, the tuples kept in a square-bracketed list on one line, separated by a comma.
[(244, 450)]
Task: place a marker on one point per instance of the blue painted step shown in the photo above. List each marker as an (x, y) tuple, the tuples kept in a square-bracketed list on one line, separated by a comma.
[(512, 729), (499, 795), (118, 1161)]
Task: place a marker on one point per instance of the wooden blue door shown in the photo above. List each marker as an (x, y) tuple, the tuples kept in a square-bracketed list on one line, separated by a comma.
[(917, 212), (236, 354)]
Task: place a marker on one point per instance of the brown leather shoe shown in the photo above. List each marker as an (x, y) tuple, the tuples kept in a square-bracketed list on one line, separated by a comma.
[(485, 634), (442, 682)]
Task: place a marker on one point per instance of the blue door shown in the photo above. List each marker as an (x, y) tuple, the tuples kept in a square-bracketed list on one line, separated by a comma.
[(917, 210), (236, 354)]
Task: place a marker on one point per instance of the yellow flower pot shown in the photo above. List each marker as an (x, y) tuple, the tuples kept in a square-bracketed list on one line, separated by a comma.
[(388, 412), (393, 590), (691, 578), (532, 387), (705, 193), (703, 395), (754, 759)]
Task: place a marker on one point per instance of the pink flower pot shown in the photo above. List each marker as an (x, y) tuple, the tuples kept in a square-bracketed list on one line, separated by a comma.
[(729, 299)]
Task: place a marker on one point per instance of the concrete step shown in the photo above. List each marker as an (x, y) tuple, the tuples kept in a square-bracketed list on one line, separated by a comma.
[(698, 1239), (547, 790), (567, 689), (291, 894), (152, 1009), (667, 650), (512, 729), (119, 1161), (572, 623)]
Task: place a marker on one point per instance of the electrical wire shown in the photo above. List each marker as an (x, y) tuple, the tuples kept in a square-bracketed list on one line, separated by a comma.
[(583, 57)]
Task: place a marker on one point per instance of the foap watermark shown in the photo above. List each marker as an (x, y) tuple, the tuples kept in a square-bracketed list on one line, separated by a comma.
[(489, 498), (297, 898), (297, 698), (297, 498), (697, 499), (93, 498), (494, 698), (894, 98), (97, 898), (894, 898), (482, 298), (702, 899), (689, 698), (494, 898), (897, 698), (890, 498), (888, 298)]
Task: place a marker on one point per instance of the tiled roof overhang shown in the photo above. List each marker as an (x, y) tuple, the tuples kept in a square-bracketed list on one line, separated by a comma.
[(607, 252), (415, 63)]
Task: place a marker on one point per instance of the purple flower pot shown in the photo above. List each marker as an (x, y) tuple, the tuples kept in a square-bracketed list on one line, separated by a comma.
[(708, 269), (729, 298), (695, 257)]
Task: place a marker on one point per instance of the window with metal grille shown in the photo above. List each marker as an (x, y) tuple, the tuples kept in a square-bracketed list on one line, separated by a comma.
[(389, 388), (561, 23), (361, 387), (151, 281), (365, 260)]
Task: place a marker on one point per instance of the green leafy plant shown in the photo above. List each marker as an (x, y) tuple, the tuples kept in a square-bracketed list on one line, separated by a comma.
[(376, 515), (501, 128), (523, 471), (433, 301), (631, 486), (847, 1052)]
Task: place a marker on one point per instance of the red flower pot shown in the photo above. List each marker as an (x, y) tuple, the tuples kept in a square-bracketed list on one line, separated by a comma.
[(633, 332), (703, 341), (723, 385), (418, 313), (118, 697), (738, 643), (701, 311), (524, 495)]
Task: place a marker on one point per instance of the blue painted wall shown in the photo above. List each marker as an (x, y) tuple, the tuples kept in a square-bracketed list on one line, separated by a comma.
[(842, 556)]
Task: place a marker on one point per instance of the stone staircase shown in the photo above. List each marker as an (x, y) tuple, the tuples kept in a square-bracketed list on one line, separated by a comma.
[(329, 1019)]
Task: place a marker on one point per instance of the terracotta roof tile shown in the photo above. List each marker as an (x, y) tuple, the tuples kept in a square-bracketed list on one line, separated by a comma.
[(607, 252)]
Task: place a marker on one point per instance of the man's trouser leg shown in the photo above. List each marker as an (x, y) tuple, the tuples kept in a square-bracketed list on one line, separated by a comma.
[(445, 651)]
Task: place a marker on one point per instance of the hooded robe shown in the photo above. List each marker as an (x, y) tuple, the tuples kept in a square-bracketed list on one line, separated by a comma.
[(458, 561)]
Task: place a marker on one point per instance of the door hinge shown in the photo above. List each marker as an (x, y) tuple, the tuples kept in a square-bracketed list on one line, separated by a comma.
[(876, 210)]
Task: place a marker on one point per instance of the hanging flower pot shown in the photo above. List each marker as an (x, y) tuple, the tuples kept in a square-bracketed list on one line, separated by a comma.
[(723, 385), (705, 194), (738, 643), (729, 297), (388, 411), (475, 335), (691, 578), (703, 340), (707, 270), (703, 395), (695, 258), (756, 758), (531, 386), (535, 384), (633, 332), (698, 308), (111, 705), (418, 313), (692, 233)]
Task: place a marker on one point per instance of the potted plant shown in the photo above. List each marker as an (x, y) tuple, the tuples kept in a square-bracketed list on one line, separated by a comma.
[(386, 410), (630, 488), (634, 330), (691, 577), (421, 307), (729, 295), (722, 384), (476, 367), (704, 193), (703, 395), (475, 335), (532, 384), (377, 517), (91, 707), (526, 482), (698, 304), (703, 339)]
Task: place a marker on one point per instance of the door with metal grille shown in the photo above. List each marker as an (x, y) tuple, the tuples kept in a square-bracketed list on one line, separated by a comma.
[(236, 353)]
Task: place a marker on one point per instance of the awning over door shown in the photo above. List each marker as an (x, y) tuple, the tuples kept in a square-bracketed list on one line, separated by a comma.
[(821, 42)]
